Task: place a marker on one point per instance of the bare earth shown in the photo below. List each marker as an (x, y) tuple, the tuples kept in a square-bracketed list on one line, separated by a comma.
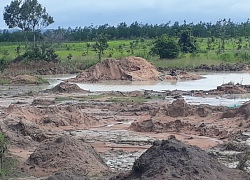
[(69, 133)]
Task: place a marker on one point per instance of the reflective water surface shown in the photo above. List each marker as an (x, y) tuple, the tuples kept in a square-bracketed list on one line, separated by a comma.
[(210, 81)]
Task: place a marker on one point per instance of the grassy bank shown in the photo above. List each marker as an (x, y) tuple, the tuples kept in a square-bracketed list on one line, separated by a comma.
[(82, 52)]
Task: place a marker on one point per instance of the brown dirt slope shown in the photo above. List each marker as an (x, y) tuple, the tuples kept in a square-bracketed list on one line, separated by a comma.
[(242, 111), (65, 87), (201, 120), (172, 159), (130, 68), (67, 175), (23, 133), (58, 115), (23, 79), (65, 153)]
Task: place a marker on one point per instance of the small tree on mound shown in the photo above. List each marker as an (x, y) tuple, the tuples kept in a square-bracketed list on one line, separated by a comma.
[(165, 47)]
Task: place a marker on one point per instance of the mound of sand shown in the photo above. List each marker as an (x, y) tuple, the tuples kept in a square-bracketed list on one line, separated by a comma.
[(180, 117), (44, 102), (65, 87), (25, 79), (63, 153), (233, 89), (60, 115), (181, 75), (172, 159), (179, 108), (243, 110), (23, 133), (68, 175), (131, 68)]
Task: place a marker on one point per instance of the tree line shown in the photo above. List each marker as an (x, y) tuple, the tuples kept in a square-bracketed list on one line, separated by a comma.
[(28, 18), (221, 29)]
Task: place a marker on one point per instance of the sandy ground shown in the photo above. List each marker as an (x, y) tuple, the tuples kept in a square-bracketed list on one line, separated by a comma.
[(119, 126), (112, 136)]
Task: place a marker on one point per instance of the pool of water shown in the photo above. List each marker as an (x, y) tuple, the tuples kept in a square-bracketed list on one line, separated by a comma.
[(210, 81)]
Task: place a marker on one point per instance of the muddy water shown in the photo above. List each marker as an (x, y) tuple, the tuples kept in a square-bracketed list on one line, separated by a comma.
[(16, 90), (210, 81), (231, 101)]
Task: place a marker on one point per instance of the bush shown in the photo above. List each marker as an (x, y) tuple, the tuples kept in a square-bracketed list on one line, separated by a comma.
[(245, 57), (3, 64), (226, 57), (165, 47), (186, 43), (41, 53)]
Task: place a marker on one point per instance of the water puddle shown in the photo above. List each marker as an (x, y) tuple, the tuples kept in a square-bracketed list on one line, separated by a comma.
[(210, 81)]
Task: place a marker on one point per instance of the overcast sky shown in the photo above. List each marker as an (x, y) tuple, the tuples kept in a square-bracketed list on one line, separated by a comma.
[(72, 13)]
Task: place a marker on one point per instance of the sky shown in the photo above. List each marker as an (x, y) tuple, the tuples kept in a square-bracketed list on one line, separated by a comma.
[(73, 13)]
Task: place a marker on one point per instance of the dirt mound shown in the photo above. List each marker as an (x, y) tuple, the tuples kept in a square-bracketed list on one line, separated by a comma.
[(172, 159), (63, 115), (36, 67), (65, 87), (152, 125), (232, 89), (130, 68), (179, 75), (25, 79), (44, 102), (180, 117), (178, 108), (243, 110), (23, 133), (67, 175), (65, 152)]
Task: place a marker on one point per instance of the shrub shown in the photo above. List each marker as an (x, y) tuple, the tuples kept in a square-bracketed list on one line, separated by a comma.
[(165, 47)]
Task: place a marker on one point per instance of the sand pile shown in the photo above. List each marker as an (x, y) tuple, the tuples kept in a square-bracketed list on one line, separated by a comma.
[(25, 79), (130, 68), (59, 115), (63, 153), (242, 111), (67, 175), (172, 159), (23, 133), (233, 89), (65, 87), (202, 120), (179, 76), (43, 102), (179, 108)]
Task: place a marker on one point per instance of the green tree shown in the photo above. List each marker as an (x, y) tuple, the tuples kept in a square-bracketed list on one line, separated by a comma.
[(165, 47), (28, 15), (186, 43), (101, 45)]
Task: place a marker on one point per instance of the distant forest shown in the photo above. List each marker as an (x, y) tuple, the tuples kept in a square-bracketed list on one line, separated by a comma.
[(224, 29)]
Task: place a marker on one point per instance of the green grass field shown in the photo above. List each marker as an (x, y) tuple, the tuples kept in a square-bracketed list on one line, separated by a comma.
[(207, 53)]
